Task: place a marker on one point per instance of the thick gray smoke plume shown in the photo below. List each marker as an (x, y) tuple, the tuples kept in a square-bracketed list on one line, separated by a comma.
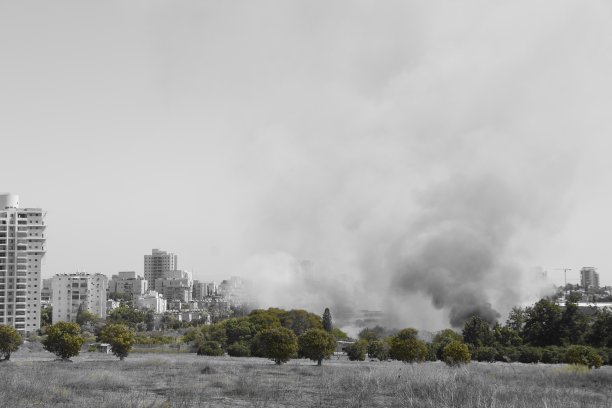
[(456, 251)]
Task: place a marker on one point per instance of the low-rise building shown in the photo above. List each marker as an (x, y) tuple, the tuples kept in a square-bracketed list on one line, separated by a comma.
[(127, 282), (151, 300)]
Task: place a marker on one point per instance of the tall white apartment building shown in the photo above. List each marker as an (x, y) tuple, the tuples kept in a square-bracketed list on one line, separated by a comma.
[(157, 263), (22, 248), (78, 292)]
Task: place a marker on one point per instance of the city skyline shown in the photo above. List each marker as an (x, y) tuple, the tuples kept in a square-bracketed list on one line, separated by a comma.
[(364, 138)]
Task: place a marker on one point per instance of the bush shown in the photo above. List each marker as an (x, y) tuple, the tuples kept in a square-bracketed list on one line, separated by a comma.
[(530, 355), (553, 355), (456, 353), (407, 350), (210, 348), (10, 340), (316, 345), (239, 349), (63, 340), (583, 355), (279, 345), (508, 354), (120, 338), (357, 351), (378, 349), (485, 354)]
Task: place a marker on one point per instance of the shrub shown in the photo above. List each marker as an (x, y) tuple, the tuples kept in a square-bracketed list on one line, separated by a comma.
[(530, 355), (357, 351), (486, 354), (279, 344), (407, 350), (508, 354), (239, 349), (316, 345), (120, 338), (456, 353), (210, 348), (10, 340), (553, 355), (63, 340), (378, 349), (583, 355)]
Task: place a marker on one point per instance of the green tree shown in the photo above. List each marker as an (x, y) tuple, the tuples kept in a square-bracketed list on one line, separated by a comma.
[(516, 319), (357, 351), (456, 353), (574, 297), (239, 349), (238, 330), (10, 340), (64, 340), (131, 317), (444, 338), (378, 349), (264, 319), (477, 332), (600, 331), (573, 325), (338, 334), (120, 337), (316, 345), (369, 334), (46, 312), (543, 324), (327, 320), (279, 345), (209, 348), (406, 347), (300, 320), (583, 355)]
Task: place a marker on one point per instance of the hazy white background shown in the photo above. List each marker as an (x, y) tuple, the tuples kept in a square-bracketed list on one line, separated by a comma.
[(246, 136)]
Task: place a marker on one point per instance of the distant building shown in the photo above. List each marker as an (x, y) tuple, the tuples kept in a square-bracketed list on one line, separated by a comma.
[(128, 282), (45, 291), (589, 278), (236, 290), (203, 289), (157, 263), (175, 285), (22, 248), (151, 301), (78, 292)]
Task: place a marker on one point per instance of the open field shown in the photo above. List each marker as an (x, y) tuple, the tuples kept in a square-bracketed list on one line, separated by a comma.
[(34, 379)]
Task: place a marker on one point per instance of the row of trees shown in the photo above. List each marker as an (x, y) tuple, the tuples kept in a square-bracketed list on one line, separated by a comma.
[(273, 333)]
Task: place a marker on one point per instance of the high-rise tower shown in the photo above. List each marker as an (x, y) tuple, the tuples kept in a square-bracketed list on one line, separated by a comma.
[(157, 263), (22, 248)]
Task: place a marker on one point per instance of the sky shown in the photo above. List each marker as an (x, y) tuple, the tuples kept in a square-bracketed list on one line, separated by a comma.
[(420, 155)]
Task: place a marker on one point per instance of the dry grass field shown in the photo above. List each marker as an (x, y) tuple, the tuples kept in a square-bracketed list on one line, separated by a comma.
[(34, 379)]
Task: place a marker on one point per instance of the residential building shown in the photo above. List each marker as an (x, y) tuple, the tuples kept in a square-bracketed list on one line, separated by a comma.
[(236, 290), (22, 249), (45, 291), (157, 263), (78, 292), (175, 285), (151, 301), (589, 278), (128, 282), (203, 289)]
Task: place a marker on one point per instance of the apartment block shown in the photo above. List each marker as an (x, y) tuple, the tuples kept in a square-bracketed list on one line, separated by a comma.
[(589, 278), (22, 249), (151, 301), (78, 292), (175, 285), (203, 289), (157, 263), (128, 282)]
